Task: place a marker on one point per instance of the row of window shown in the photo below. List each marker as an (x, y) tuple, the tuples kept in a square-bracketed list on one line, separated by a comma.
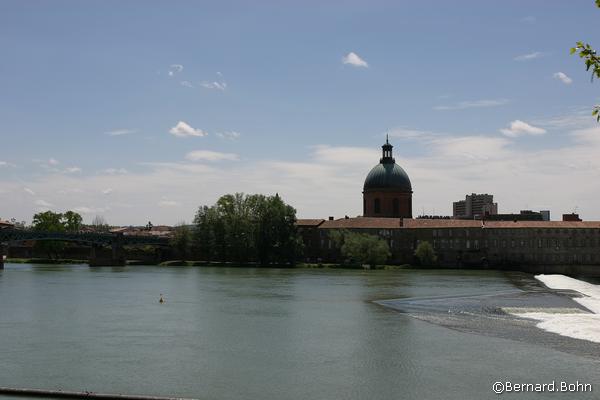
[(523, 243), (512, 232)]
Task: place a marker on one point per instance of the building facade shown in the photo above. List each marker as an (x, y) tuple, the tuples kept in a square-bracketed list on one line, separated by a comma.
[(460, 243)]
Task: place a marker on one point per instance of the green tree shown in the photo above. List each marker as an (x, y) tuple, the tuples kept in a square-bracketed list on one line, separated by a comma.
[(275, 235), (426, 254), (592, 62), (182, 239), (361, 248), (72, 221), (244, 228), (49, 221)]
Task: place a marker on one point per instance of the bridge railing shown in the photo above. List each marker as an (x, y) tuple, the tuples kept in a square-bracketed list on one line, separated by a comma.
[(20, 235)]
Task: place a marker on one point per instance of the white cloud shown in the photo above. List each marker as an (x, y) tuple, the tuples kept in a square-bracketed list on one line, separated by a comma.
[(73, 170), (120, 132), (70, 190), (529, 19), (563, 77), (90, 210), (115, 171), (230, 135), (207, 155), (168, 203), (3, 163), (518, 128), (529, 56), (108, 191), (27, 190), (186, 84), (469, 148), (182, 129), (345, 155), (442, 167), (354, 59), (43, 203), (214, 85), (175, 69), (462, 105), (53, 161), (404, 133)]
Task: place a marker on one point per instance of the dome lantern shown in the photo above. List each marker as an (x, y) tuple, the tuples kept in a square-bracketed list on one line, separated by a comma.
[(387, 152)]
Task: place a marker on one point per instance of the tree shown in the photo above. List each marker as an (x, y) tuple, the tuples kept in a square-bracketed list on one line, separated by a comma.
[(592, 62), (244, 228), (426, 254), (49, 221), (72, 221), (182, 239), (361, 248), (100, 225)]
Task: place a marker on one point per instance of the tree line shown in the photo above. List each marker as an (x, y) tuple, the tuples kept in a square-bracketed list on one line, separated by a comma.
[(243, 228)]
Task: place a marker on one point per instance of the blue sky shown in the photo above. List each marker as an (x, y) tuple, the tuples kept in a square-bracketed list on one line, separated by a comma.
[(145, 110)]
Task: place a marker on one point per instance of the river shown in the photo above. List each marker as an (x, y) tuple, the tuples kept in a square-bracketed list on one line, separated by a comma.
[(237, 333)]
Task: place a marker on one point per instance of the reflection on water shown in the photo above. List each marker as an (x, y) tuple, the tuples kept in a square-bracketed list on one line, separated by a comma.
[(230, 333)]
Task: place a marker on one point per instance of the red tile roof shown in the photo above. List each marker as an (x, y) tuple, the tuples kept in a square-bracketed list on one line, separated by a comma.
[(543, 224), (461, 223), (441, 223), (362, 223), (309, 222)]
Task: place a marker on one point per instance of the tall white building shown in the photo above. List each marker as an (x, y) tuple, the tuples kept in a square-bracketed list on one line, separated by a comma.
[(475, 206)]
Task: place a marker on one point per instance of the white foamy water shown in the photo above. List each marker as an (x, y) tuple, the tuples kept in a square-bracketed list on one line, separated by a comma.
[(566, 322)]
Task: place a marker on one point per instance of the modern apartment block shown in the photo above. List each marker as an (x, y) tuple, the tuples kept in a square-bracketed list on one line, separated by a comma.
[(475, 206)]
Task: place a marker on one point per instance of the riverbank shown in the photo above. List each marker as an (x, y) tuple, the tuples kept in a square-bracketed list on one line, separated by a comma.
[(44, 261), (181, 263)]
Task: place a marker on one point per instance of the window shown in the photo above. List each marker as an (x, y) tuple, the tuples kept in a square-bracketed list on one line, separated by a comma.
[(377, 206)]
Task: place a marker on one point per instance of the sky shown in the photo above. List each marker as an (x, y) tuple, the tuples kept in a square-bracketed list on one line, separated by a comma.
[(145, 110)]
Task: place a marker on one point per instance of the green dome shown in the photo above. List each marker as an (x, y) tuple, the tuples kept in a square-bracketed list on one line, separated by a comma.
[(387, 175)]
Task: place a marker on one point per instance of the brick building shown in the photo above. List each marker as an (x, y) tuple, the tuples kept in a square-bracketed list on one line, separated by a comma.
[(466, 242), (387, 204)]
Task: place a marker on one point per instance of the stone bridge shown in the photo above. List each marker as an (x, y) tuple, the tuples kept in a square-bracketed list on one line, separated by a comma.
[(95, 240)]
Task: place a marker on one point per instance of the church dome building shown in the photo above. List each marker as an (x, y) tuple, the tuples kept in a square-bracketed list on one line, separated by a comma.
[(387, 191)]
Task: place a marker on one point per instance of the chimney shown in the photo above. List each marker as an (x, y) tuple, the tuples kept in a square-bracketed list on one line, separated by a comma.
[(346, 217), (331, 218)]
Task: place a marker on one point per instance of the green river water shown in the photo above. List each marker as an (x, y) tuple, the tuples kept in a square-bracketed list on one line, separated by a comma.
[(237, 333)]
